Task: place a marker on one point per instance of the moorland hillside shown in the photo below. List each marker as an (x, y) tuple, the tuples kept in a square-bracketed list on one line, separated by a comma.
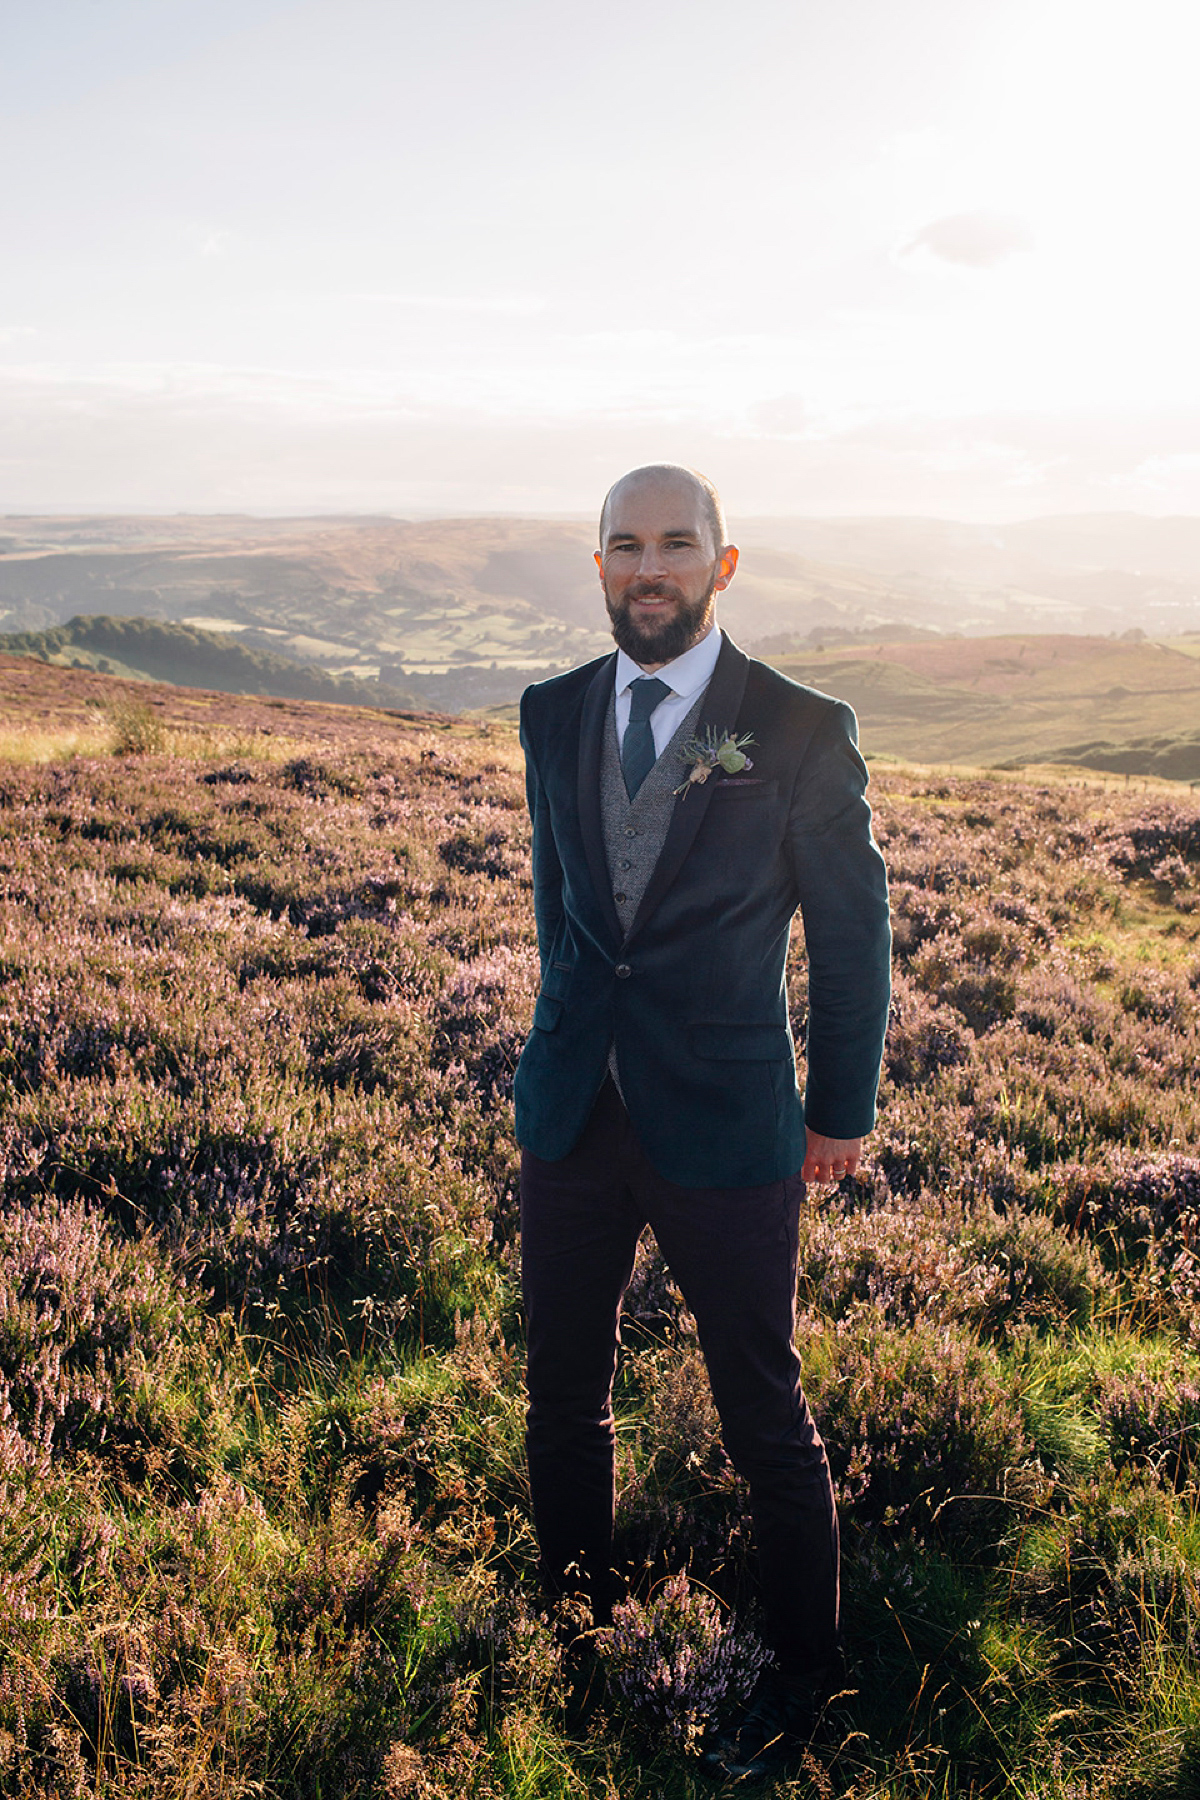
[(1121, 704), (266, 969), (1126, 705)]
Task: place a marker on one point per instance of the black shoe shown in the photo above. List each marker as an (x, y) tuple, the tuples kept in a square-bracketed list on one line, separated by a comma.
[(774, 1727)]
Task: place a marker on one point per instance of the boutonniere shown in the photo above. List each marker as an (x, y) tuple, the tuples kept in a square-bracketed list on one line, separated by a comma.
[(713, 751)]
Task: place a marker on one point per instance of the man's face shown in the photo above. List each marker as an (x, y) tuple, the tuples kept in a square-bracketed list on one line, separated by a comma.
[(660, 568)]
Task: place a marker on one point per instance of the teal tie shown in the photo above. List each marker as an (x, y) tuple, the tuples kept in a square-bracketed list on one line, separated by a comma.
[(637, 751)]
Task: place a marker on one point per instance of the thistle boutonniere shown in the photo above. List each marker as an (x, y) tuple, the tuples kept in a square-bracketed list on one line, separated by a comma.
[(714, 751)]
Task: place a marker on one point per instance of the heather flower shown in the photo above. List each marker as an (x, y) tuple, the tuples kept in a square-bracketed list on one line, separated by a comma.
[(919, 1425), (82, 1318), (923, 1037), (1155, 1422), (675, 1661)]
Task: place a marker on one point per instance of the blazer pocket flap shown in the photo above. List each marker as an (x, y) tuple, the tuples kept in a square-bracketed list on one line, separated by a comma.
[(547, 1012), (744, 787), (741, 1043)]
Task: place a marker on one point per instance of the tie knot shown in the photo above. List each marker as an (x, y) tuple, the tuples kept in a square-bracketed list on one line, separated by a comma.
[(644, 695)]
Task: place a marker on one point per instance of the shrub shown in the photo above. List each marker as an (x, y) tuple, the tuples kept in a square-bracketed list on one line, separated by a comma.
[(1114, 1583), (483, 1016), (675, 1661), (919, 1426), (318, 778), (1041, 1276), (923, 1037), (893, 1265), (680, 1502), (897, 1264), (1139, 1205), (652, 1301), (136, 729), (86, 1326), (1154, 1422), (480, 852)]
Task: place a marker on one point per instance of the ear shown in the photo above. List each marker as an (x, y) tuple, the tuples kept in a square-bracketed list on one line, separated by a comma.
[(599, 563), (728, 563)]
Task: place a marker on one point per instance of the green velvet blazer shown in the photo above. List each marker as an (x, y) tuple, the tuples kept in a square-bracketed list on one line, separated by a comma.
[(693, 995)]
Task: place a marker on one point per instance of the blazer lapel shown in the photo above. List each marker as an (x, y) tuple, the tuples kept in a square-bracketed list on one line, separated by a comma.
[(722, 703), (591, 823)]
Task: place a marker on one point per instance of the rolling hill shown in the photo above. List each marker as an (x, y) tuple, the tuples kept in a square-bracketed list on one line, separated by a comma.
[(363, 595), (142, 649), (953, 641), (1104, 703)]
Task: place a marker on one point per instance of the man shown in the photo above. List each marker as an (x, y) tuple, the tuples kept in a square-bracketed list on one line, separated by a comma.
[(686, 801)]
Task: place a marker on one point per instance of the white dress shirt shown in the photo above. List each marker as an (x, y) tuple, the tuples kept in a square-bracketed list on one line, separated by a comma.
[(686, 677)]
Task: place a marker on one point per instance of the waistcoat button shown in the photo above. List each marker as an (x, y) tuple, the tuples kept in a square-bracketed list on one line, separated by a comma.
[(629, 831), (620, 899)]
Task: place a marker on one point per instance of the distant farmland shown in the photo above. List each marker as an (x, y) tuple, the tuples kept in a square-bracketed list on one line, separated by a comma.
[(460, 614)]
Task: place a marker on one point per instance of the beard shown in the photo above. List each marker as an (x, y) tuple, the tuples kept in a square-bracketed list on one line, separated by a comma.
[(660, 640)]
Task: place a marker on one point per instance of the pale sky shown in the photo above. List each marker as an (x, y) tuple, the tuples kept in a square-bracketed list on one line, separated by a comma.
[(851, 256)]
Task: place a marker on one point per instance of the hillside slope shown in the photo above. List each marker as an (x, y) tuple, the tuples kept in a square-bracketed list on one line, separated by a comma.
[(1131, 708), (184, 655), (1026, 699)]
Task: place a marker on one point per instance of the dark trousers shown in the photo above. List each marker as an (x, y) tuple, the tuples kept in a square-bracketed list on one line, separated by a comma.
[(733, 1252)]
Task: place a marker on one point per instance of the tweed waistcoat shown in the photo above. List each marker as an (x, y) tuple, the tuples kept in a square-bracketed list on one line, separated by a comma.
[(635, 830)]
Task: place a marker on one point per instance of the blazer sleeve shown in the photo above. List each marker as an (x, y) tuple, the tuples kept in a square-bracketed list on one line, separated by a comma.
[(547, 869), (842, 886)]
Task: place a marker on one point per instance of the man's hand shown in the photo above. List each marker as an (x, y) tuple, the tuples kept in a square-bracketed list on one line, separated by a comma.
[(828, 1159)]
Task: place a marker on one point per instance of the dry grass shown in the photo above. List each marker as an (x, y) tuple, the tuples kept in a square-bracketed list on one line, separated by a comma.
[(54, 715), (30, 744)]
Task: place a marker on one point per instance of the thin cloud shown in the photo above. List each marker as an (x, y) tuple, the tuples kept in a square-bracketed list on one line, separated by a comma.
[(973, 240), (784, 415), (511, 305)]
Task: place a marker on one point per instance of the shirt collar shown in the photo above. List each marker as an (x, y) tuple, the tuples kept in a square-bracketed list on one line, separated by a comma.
[(686, 675)]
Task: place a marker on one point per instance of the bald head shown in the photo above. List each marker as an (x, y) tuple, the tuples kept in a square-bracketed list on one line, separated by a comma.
[(663, 560), (688, 484)]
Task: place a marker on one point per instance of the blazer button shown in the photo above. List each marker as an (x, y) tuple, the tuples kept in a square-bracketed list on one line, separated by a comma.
[(622, 971)]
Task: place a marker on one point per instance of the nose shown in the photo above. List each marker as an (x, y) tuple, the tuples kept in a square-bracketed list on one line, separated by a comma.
[(651, 563)]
